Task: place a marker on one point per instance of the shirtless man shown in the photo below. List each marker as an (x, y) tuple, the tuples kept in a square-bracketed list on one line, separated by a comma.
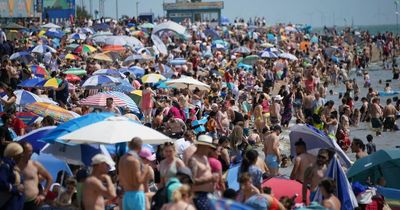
[(358, 147), (94, 190), (132, 176), (314, 174), (203, 179), (376, 114), (389, 114), (31, 171), (271, 150), (302, 161), (276, 110), (308, 104)]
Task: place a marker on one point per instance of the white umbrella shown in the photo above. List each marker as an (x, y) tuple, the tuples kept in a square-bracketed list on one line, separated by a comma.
[(288, 56), (133, 42), (42, 48), (51, 25), (159, 44), (98, 81), (115, 40), (187, 82), (170, 26), (114, 130)]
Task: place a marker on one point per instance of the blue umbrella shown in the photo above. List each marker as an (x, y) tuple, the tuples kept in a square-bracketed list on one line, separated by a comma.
[(344, 190), (33, 136), (124, 87), (268, 54), (75, 124), (109, 72), (98, 81), (41, 48), (52, 164), (19, 55), (335, 59), (162, 85), (225, 21), (271, 37), (137, 71), (30, 83), (25, 97), (101, 27), (314, 39), (129, 102), (178, 61), (212, 33), (54, 34), (242, 50), (232, 177)]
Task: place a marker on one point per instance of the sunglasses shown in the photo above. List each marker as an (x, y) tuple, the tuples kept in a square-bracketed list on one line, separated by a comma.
[(169, 143)]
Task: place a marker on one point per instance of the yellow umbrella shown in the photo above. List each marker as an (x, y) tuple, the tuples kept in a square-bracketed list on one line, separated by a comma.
[(152, 78), (41, 33), (72, 57), (102, 57), (53, 82), (44, 109), (137, 92)]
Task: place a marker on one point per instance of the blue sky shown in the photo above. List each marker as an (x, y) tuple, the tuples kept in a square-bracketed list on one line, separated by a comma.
[(315, 12)]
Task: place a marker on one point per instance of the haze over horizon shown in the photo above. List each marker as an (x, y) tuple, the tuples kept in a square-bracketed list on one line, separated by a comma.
[(314, 12)]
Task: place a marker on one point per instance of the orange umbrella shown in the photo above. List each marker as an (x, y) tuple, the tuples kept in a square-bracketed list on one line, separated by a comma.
[(304, 45), (114, 48)]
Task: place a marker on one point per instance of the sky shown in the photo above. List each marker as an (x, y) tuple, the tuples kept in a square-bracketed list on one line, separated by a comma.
[(314, 12)]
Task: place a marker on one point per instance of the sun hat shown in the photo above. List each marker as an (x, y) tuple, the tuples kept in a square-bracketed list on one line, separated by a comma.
[(146, 154), (101, 158), (13, 149), (205, 140)]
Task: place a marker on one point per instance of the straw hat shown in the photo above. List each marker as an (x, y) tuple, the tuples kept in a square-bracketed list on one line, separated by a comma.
[(12, 150), (205, 140)]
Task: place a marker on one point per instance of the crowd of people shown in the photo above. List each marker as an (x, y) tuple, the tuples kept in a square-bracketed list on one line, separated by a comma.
[(238, 120)]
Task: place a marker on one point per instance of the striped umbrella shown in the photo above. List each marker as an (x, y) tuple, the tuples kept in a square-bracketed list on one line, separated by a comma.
[(109, 72), (129, 102), (102, 57), (124, 87), (100, 100), (25, 97), (77, 36), (152, 78), (39, 71), (114, 48), (30, 83), (98, 81), (76, 71), (44, 109), (72, 78), (268, 54), (53, 82), (70, 56), (85, 48)]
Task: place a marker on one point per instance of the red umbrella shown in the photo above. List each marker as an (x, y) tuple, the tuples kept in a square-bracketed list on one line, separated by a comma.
[(72, 78), (285, 187), (100, 100)]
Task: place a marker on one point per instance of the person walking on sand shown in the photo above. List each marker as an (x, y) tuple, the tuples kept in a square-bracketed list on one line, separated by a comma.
[(94, 189), (271, 150), (376, 115), (132, 176)]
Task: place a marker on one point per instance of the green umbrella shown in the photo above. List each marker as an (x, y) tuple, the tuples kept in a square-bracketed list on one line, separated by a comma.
[(76, 71), (72, 46), (12, 26), (251, 59), (147, 25), (383, 163)]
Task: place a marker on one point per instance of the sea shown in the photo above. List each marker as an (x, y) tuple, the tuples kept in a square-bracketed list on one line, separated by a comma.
[(372, 29)]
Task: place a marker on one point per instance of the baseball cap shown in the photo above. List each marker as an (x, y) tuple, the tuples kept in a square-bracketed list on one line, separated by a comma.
[(146, 153), (101, 158)]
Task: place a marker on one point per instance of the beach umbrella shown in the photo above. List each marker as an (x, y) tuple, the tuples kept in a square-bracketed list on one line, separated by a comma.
[(139, 33), (147, 25), (114, 130), (109, 72), (136, 96), (178, 61), (74, 154), (268, 54), (152, 78), (276, 183), (115, 40), (125, 98), (290, 29), (25, 97), (70, 56), (87, 30), (227, 204), (72, 46), (99, 81), (225, 21), (34, 136), (100, 99), (53, 82), (30, 83), (51, 25), (391, 196), (159, 44), (251, 59), (41, 49), (315, 139), (124, 87), (383, 163), (343, 189), (85, 48), (267, 45), (134, 70), (288, 56), (187, 82), (78, 36), (271, 37), (242, 50), (138, 57), (52, 164), (39, 71), (113, 48), (75, 71), (101, 27), (245, 66), (44, 109), (314, 39), (74, 124), (232, 177), (23, 55), (102, 57), (170, 26), (13, 26), (101, 39), (212, 33), (54, 34), (72, 78)]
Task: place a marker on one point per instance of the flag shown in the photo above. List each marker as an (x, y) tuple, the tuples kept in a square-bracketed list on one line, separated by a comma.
[(344, 191)]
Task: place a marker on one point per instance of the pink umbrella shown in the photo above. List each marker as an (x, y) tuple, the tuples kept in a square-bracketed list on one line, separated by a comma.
[(285, 187), (100, 100)]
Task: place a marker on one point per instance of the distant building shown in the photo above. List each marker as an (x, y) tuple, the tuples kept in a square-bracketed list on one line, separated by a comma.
[(195, 10), (58, 10)]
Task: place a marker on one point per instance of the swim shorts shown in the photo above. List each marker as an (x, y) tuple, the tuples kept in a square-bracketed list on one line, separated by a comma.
[(272, 161), (134, 200)]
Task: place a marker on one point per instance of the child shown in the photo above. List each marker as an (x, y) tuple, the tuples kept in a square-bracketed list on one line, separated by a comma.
[(246, 128), (371, 147), (356, 117), (211, 126)]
